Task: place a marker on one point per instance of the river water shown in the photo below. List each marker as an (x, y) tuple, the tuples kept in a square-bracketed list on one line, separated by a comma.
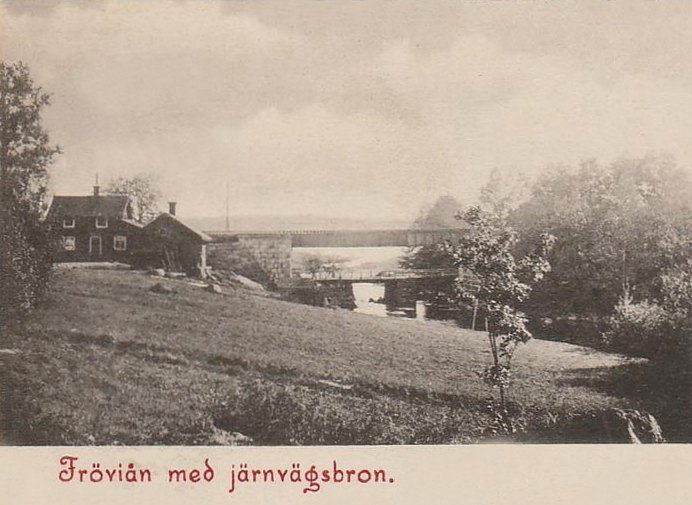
[(368, 296)]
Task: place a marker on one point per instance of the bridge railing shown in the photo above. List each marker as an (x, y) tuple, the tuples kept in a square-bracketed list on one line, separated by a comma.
[(374, 275)]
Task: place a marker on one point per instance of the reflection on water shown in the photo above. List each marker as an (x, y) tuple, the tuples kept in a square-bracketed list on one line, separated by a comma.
[(370, 300), (366, 296)]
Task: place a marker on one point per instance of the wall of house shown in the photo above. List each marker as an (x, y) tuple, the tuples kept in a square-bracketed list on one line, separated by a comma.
[(168, 244), (264, 258), (84, 229)]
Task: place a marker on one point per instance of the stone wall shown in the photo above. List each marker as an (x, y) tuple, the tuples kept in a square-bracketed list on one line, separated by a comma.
[(262, 258), (402, 292)]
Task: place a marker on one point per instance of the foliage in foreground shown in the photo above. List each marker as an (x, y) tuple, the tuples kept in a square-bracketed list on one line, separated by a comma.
[(25, 154), (277, 414)]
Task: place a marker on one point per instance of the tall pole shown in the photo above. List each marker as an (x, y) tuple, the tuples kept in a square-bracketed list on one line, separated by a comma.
[(475, 311), (228, 224)]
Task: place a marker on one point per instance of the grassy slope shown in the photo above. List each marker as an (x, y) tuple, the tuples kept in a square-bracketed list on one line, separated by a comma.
[(169, 360)]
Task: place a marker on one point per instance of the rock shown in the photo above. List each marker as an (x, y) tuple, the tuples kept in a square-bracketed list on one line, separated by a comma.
[(248, 283), (632, 426), (158, 272), (223, 437), (161, 289), (335, 385), (213, 288), (176, 275), (613, 426)]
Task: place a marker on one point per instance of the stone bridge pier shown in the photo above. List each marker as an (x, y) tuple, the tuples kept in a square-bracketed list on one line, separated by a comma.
[(401, 292), (262, 257)]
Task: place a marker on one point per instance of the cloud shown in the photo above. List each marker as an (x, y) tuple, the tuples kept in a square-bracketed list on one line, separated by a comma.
[(310, 111)]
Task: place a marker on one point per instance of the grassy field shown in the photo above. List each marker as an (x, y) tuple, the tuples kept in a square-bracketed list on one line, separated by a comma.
[(107, 361)]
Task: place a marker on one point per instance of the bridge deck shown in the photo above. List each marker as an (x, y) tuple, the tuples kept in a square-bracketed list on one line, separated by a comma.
[(354, 238), (384, 276)]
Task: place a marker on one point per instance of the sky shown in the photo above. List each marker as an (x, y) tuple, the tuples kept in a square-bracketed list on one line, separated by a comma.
[(363, 108)]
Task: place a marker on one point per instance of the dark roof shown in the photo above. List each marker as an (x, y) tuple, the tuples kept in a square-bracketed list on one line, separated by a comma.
[(165, 215), (103, 205)]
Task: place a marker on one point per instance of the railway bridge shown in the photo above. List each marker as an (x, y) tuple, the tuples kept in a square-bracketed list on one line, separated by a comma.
[(272, 249)]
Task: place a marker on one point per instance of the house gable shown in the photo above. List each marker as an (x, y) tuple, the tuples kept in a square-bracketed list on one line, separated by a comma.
[(168, 225)]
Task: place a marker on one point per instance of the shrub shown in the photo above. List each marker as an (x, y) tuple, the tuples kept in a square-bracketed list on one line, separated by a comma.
[(677, 302), (25, 264), (662, 332), (639, 328)]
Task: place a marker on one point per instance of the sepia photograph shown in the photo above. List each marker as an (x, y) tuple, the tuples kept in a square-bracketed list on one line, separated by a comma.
[(344, 223)]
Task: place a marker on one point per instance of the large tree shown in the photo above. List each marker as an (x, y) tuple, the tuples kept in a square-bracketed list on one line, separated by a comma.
[(25, 154), (619, 227), (144, 193)]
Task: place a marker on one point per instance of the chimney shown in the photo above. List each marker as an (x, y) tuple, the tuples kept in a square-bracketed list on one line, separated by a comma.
[(97, 188), (171, 208)]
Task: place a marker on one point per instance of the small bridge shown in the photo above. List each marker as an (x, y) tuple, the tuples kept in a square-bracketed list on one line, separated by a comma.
[(370, 276)]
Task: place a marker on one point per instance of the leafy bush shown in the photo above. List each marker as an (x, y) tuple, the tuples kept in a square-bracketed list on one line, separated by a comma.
[(662, 332), (637, 328), (25, 264), (677, 302)]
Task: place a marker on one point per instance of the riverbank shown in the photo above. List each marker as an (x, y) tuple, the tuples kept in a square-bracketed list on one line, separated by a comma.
[(107, 361)]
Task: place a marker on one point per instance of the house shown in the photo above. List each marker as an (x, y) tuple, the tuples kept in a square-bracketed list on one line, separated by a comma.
[(99, 228), (93, 228), (167, 242)]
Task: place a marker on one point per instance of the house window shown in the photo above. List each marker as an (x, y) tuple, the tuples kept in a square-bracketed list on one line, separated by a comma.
[(120, 243), (68, 243), (101, 222), (68, 222)]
